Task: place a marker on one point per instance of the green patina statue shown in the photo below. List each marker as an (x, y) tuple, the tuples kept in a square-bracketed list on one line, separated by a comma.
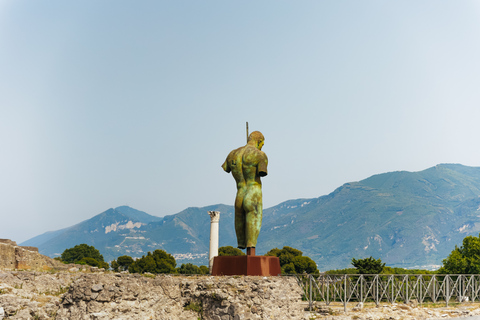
[(247, 165)]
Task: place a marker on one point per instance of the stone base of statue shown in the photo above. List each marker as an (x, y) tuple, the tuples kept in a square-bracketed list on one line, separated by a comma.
[(246, 266)]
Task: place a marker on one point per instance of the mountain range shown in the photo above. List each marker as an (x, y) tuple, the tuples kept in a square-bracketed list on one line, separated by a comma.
[(408, 219)]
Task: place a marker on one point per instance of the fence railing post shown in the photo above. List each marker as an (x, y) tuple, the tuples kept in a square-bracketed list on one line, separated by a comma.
[(310, 301), (406, 289), (393, 288), (447, 287), (361, 288), (328, 290)]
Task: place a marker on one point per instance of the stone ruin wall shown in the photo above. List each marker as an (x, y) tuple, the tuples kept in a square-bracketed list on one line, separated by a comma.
[(71, 294), (14, 257), (105, 296), (117, 296)]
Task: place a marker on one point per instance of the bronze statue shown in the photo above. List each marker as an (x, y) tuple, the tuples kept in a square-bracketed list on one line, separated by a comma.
[(247, 165)]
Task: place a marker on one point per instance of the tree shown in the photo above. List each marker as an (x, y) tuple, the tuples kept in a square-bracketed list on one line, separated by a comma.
[(293, 261), (304, 265), (136, 266), (84, 254), (275, 252), (158, 262), (189, 268), (368, 265), (124, 262), (288, 268), (165, 262), (463, 260), (114, 265), (230, 251), (149, 264), (204, 270), (92, 262), (144, 264)]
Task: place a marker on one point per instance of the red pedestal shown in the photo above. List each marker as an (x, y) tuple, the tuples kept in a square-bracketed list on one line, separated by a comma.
[(246, 265)]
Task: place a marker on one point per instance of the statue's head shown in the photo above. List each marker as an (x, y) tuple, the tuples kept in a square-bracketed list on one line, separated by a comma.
[(257, 138)]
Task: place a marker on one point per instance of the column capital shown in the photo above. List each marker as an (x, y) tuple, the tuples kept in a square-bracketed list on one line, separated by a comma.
[(214, 216)]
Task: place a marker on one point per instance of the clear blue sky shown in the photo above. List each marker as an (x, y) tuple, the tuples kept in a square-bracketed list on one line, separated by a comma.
[(109, 103)]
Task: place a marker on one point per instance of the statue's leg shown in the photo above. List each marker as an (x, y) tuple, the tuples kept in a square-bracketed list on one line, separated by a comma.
[(240, 220), (253, 211)]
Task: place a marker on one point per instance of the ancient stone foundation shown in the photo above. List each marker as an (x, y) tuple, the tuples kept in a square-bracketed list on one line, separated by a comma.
[(72, 296), (24, 258), (120, 296), (26, 295)]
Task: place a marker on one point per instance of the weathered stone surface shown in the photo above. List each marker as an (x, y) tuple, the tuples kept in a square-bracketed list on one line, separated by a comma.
[(32, 295), (8, 241), (394, 311), (24, 258), (105, 296), (171, 297), (28, 295)]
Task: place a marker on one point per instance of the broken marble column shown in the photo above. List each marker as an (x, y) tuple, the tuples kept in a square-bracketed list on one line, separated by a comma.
[(214, 219)]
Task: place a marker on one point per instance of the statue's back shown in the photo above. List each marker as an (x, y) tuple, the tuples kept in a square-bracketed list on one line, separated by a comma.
[(234, 164)]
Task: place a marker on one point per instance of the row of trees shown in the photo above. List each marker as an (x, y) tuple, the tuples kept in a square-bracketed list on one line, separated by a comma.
[(462, 260), (376, 266), (159, 261)]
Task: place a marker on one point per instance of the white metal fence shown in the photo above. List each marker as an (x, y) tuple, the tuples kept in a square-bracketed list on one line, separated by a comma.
[(390, 288)]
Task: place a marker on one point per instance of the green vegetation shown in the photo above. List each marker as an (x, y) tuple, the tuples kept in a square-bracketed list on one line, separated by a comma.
[(463, 260), (195, 307), (390, 270), (115, 266), (190, 268), (292, 261), (93, 262), (84, 254), (157, 262), (368, 265), (79, 252), (230, 251), (122, 263), (375, 266), (61, 290), (342, 271)]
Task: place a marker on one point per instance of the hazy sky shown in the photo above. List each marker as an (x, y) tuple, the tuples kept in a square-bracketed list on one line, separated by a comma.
[(109, 103)]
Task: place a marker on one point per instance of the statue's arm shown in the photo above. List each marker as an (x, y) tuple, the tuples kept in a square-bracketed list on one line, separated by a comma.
[(262, 165)]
